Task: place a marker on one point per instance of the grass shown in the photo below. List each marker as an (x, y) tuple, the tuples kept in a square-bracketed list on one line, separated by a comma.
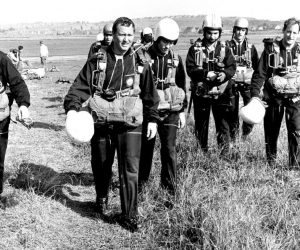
[(244, 204)]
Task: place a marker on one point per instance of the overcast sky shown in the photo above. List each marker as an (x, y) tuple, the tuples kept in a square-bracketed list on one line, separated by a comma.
[(16, 11)]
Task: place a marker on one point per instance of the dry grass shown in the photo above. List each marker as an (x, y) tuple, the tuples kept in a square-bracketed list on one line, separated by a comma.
[(244, 204)]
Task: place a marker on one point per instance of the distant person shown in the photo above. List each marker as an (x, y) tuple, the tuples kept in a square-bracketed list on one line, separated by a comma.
[(9, 75), (246, 58), (20, 49), (13, 56), (102, 39), (22, 61), (147, 37), (44, 53), (278, 74)]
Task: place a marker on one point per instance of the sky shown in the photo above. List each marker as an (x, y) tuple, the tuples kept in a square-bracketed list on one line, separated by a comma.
[(29, 11)]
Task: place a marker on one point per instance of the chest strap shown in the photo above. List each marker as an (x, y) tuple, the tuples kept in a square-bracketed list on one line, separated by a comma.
[(99, 75)]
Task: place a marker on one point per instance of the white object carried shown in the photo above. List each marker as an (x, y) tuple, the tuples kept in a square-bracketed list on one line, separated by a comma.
[(253, 112), (80, 126)]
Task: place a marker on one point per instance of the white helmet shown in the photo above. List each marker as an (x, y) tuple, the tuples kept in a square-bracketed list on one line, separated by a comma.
[(147, 30), (241, 23), (168, 29), (212, 21), (99, 37), (80, 126), (253, 112)]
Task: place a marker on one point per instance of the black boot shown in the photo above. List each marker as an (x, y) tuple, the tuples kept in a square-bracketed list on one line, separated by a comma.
[(101, 205), (130, 224)]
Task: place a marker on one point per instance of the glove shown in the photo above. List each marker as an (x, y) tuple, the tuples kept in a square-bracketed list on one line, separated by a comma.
[(151, 130), (221, 77), (182, 120), (23, 112), (211, 76)]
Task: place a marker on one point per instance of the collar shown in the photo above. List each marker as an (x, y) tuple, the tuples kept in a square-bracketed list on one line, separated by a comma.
[(110, 49), (157, 51), (212, 46), (282, 47), (238, 43)]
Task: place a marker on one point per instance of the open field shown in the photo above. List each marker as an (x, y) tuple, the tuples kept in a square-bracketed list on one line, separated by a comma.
[(243, 204), (73, 46)]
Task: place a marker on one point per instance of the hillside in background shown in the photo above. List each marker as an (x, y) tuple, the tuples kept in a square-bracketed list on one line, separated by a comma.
[(186, 23)]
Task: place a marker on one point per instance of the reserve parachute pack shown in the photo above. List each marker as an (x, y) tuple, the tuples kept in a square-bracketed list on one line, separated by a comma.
[(244, 69), (209, 88), (285, 80), (171, 96), (110, 107)]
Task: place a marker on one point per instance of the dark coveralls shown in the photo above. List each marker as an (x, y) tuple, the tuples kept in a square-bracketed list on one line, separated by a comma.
[(106, 138), (277, 104), (222, 106), (19, 92), (239, 51), (167, 125)]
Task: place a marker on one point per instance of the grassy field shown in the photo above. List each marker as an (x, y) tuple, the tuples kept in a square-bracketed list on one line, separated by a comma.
[(243, 204), (80, 45)]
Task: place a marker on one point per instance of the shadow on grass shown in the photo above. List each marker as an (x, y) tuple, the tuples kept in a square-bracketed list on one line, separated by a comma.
[(45, 181), (49, 126), (60, 186)]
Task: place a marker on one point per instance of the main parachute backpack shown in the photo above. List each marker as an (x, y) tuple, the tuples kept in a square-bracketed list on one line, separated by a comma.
[(109, 107)]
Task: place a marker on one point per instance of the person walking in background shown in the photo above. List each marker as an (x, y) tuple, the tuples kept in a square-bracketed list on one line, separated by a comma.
[(211, 65), (22, 61), (44, 53), (13, 55), (169, 76), (102, 40), (9, 75), (119, 79), (246, 58), (278, 73)]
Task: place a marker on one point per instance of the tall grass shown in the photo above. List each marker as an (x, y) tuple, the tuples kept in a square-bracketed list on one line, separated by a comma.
[(243, 204)]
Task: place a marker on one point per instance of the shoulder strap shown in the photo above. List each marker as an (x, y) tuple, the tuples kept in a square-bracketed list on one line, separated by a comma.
[(199, 54), (248, 54), (172, 65), (273, 48), (142, 55), (298, 57), (222, 51), (98, 75)]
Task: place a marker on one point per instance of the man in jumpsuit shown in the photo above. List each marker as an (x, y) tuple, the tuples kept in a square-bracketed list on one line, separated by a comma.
[(246, 58), (279, 62), (164, 60), (211, 65), (120, 63)]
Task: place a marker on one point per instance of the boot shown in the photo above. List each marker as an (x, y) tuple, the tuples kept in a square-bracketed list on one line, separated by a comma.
[(101, 205)]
